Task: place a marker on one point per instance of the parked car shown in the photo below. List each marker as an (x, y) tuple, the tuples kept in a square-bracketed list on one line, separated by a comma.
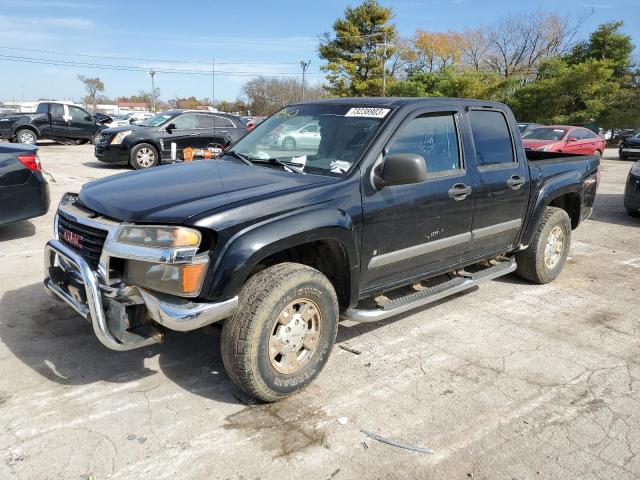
[(57, 121), (632, 191), (297, 137), (629, 147), (527, 127), (415, 198), (24, 192), (118, 121), (564, 139), (138, 117), (621, 135), (152, 141)]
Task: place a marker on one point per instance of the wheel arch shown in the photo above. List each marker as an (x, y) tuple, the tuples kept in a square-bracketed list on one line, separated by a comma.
[(324, 240), (26, 126)]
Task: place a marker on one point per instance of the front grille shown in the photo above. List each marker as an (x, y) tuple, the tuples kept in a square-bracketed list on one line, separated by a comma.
[(105, 138), (89, 240)]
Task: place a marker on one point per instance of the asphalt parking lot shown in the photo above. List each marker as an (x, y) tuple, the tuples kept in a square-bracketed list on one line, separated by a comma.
[(511, 380)]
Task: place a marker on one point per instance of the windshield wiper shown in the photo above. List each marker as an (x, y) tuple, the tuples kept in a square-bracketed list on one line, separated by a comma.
[(240, 157), (294, 167)]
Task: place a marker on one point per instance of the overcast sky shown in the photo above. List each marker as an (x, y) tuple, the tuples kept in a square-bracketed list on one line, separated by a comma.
[(245, 37)]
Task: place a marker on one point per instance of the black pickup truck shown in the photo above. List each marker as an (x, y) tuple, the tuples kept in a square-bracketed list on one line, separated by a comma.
[(400, 203), (57, 121)]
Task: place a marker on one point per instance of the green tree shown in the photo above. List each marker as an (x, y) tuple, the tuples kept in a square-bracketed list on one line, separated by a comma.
[(92, 87), (358, 50), (565, 93), (606, 43)]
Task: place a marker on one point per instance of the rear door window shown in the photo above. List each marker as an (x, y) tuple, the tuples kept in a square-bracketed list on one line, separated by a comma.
[(492, 138), (57, 110)]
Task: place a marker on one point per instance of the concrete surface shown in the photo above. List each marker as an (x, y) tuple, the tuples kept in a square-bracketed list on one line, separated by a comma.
[(508, 381)]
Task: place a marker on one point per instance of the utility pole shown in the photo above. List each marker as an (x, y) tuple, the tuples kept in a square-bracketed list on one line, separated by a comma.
[(213, 83), (384, 65), (153, 90), (304, 66)]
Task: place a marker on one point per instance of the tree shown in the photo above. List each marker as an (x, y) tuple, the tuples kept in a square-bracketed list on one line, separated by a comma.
[(267, 95), (92, 87), (435, 51), (357, 54), (606, 43)]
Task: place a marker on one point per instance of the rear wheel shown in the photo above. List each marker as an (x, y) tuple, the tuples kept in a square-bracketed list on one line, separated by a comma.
[(143, 155), (633, 213), (26, 136), (281, 336), (545, 257), (288, 143)]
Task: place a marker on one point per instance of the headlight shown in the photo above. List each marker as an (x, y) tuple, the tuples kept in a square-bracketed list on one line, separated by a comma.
[(117, 140), (635, 170), (183, 279), (159, 236)]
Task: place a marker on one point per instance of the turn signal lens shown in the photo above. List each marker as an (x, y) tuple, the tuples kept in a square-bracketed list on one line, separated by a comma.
[(191, 277), (182, 280)]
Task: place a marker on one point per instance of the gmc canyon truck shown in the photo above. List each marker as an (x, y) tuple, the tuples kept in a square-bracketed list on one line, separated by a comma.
[(401, 202), (62, 122)]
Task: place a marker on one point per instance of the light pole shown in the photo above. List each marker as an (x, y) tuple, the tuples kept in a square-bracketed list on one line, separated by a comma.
[(304, 66), (153, 90)]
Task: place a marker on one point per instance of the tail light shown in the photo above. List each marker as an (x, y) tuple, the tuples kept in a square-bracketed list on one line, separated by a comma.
[(31, 161)]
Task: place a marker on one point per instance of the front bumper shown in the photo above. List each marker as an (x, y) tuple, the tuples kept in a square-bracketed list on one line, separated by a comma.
[(629, 152), (105, 152), (71, 279)]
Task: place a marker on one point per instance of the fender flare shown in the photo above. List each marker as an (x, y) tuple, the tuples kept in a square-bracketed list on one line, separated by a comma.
[(241, 253), (568, 182), (28, 126)]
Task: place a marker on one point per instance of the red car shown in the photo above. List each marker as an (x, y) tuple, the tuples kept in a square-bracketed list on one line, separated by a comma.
[(565, 139)]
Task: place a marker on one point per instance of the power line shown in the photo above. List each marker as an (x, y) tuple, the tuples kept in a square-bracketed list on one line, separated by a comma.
[(130, 68)]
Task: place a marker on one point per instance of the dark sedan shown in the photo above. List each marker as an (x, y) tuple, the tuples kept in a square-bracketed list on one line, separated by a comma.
[(632, 191), (164, 136), (630, 147), (24, 192)]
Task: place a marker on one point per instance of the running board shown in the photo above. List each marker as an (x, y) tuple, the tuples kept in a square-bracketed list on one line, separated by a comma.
[(427, 295)]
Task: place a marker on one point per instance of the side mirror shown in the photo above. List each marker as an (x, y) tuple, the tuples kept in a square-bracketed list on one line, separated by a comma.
[(132, 120), (572, 139), (401, 169), (88, 117), (170, 128)]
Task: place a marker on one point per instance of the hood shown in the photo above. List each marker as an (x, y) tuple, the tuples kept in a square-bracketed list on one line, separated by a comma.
[(123, 128), (535, 144), (632, 141), (173, 193)]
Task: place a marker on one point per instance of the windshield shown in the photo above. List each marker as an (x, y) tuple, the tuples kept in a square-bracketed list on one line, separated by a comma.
[(637, 135), (156, 120), (318, 138), (545, 134)]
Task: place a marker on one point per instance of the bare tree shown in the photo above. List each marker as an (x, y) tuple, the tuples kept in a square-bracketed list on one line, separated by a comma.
[(519, 42), (92, 87), (267, 95), (474, 47)]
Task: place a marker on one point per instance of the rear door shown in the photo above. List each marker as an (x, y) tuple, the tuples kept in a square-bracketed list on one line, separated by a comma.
[(81, 123), (214, 130), (413, 230), (501, 192), (59, 124)]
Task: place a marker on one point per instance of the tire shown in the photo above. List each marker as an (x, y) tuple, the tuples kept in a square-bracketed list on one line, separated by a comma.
[(143, 155), (633, 213), (543, 261), (82, 141), (26, 136), (259, 348), (288, 143)]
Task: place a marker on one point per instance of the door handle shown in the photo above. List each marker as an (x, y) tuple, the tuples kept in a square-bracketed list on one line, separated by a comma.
[(515, 182), (459, 191)]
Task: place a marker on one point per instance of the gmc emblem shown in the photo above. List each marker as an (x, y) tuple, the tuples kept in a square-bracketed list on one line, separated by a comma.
[(72, 238)]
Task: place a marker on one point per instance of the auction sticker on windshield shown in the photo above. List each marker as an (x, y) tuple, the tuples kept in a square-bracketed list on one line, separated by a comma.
[(368, 112)]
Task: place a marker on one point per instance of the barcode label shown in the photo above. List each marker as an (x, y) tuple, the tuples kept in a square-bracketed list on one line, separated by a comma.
[(368, 112)]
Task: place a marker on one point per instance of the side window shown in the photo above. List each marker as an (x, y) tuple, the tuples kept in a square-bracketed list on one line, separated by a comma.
[(204, 121), (432, 136), (310, 129), (588, 134), (57, 110), (185, 122), (491, 137), (224, 122), (77, 114), (42, 108)]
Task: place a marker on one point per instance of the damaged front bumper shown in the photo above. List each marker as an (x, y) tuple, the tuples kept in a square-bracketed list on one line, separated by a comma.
[(123, 317)]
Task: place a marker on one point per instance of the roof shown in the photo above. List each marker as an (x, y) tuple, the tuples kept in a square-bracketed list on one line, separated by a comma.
[(401, 101)]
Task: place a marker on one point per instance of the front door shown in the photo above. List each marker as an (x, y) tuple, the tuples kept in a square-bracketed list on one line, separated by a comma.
[(503, 184), (185, 134), (81, 124), (410, 231)]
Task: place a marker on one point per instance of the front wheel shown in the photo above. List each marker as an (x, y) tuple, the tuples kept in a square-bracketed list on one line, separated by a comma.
[(633, 213), (143, 155), (547, 253), (282, 333), (288, 143), (26, 136)]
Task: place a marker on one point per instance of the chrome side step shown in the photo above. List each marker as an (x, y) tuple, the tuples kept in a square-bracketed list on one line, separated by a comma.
[(427, 295)]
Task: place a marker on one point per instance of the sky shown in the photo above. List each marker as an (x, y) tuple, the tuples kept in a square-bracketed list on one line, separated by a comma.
[(246, 38)]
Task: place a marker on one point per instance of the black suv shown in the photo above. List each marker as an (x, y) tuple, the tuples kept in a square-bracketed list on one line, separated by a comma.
[(165, 135)]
